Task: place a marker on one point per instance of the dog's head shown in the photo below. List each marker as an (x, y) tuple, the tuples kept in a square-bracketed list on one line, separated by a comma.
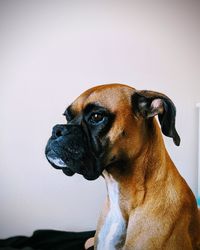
[(106, 125)]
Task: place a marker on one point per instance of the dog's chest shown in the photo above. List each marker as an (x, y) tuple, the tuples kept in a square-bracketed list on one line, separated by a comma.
[(111, 235)]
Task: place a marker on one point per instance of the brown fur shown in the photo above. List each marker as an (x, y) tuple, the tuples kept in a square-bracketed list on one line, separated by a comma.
[(158, 206)]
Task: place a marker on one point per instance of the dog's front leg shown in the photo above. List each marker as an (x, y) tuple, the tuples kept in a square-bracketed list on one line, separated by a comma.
[(147, 232)]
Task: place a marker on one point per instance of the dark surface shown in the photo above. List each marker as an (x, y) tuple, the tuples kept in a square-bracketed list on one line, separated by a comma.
[(47, 240)]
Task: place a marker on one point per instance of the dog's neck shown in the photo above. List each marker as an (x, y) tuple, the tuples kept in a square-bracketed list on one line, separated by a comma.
[(132, 187)]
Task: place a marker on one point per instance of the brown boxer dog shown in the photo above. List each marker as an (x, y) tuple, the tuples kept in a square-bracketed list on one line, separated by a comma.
[(112, 131)]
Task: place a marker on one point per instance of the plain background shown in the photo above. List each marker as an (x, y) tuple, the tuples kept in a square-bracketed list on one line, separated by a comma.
[(51, 51)]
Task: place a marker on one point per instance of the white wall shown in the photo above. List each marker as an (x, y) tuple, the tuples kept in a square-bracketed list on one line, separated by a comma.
[(50, 51)]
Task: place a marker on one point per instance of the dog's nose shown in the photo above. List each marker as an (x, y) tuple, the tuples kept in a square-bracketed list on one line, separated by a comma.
[(59, 130)]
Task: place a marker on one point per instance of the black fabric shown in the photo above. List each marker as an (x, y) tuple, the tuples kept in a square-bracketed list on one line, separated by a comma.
[(47, 240)]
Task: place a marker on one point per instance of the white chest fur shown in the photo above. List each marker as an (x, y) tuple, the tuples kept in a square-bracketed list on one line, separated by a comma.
[(113, 230)]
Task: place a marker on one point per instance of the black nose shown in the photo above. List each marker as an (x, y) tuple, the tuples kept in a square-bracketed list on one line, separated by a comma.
[(59, 130)]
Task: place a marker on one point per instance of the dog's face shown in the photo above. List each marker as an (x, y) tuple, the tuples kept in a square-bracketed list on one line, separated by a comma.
[(106, 125)]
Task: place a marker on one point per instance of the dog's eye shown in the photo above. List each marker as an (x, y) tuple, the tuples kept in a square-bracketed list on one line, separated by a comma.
[(96, 118)]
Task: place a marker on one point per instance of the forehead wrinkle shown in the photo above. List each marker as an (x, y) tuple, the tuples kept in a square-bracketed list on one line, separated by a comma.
[(80, 102), (111, 96), (113, 100)]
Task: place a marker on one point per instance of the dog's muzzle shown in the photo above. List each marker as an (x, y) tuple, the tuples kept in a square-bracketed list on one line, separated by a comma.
[(68, 149)]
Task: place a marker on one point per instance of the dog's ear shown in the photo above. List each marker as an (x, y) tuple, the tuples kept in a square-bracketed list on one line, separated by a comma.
[(150, 103)]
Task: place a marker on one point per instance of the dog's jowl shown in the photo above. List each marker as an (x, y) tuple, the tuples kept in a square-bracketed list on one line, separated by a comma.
[(111, 131)]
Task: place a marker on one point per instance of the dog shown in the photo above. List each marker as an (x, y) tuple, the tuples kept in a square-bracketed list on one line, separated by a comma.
[(112, 131)]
